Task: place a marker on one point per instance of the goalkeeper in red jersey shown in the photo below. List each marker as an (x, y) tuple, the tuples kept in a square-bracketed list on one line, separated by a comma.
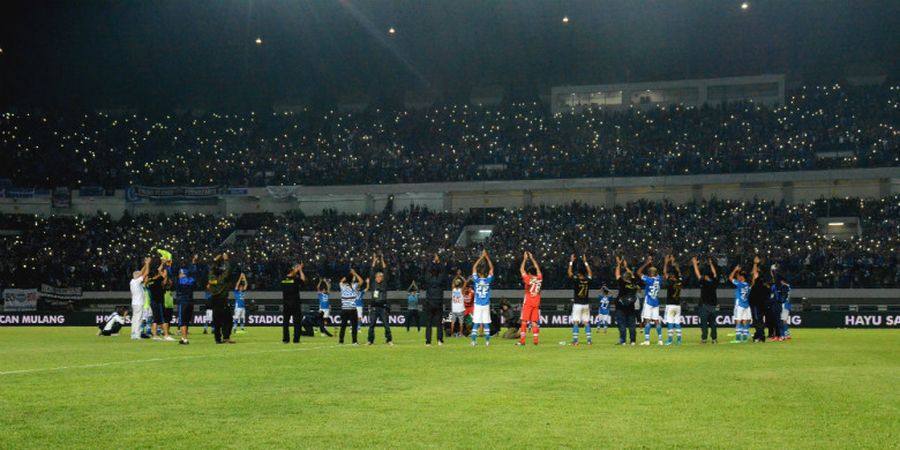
[(531, 309)]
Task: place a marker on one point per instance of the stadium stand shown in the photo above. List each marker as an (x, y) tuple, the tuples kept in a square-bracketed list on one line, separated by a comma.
[(98, 252), (820, 127)]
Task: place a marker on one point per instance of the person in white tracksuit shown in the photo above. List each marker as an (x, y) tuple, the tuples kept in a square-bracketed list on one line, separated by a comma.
[(137, 298)]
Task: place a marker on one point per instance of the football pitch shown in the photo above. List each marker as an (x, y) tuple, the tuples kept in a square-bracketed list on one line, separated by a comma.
[(67, 388)]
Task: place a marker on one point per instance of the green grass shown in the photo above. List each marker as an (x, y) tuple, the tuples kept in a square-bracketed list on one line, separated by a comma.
[(826, 388)]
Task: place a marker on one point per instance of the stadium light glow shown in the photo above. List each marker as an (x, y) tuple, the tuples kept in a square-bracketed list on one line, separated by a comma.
[(391, 30), (258, 41), (835, 224), (745, 6), (565, 19)]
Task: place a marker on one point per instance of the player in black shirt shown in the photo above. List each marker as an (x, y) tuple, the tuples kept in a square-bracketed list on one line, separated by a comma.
[(157, 288), (673, 298), (378, 310), (581, 298), (625, 301), (291, 307), (709, 303)]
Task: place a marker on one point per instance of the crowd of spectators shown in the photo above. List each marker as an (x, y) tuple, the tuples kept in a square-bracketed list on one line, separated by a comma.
[(818, 128), (98, 253)]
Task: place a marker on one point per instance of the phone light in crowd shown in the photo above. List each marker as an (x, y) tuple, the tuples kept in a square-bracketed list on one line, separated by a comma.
[(835, 224), (258, 41), (745, 6), (391, 30), (565, 19)]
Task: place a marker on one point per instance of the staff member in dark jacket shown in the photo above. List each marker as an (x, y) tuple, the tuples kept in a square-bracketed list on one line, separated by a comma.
[(709, 303), (379, 308), (184, 299), (759, 299), (218, 288), (434, 299), (625, 301), (291, 308)]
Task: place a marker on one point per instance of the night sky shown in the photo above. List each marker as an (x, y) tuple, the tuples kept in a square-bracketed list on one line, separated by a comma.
[(164, 54)]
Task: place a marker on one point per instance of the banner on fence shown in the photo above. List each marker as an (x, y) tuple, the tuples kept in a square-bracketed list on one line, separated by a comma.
[(172, 193), (282, 192), (20, 300), (64, 293), (811, 319)]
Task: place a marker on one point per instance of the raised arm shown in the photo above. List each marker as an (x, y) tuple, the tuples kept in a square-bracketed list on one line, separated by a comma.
[(145, 270), (666, 266), (477, 262), (647, 263), (755, 271), (712, 268), (300, 270), (227, 272), (587, 266), (537, 268), (356, 277), (734, 272), (489, 263), (571, 261), (522, 266), (413, 287), (383, 264), (458, 276), (618, 267), (696, 267)]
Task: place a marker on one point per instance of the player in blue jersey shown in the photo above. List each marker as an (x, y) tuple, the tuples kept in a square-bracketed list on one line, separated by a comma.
[(742, 314), (650, 312), (785, 291), (603, 318), (359, 302), (324, 301), (482, 281), (240, 307)]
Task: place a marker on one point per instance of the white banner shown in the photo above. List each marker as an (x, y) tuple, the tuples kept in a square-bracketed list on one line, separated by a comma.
[(281, 192), (20, 300)]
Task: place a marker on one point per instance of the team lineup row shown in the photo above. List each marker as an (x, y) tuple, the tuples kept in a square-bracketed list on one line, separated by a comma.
[(470, 300)]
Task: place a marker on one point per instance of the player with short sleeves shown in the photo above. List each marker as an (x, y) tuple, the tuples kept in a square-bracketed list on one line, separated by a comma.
[(481, 316), (603, 317), (742, 314), (581, 300), (531, 306), (240, 306), (650, 312)]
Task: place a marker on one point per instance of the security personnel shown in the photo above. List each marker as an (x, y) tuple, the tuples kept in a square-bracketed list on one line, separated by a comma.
[(218, 287), (291, 308), (434, 299)]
